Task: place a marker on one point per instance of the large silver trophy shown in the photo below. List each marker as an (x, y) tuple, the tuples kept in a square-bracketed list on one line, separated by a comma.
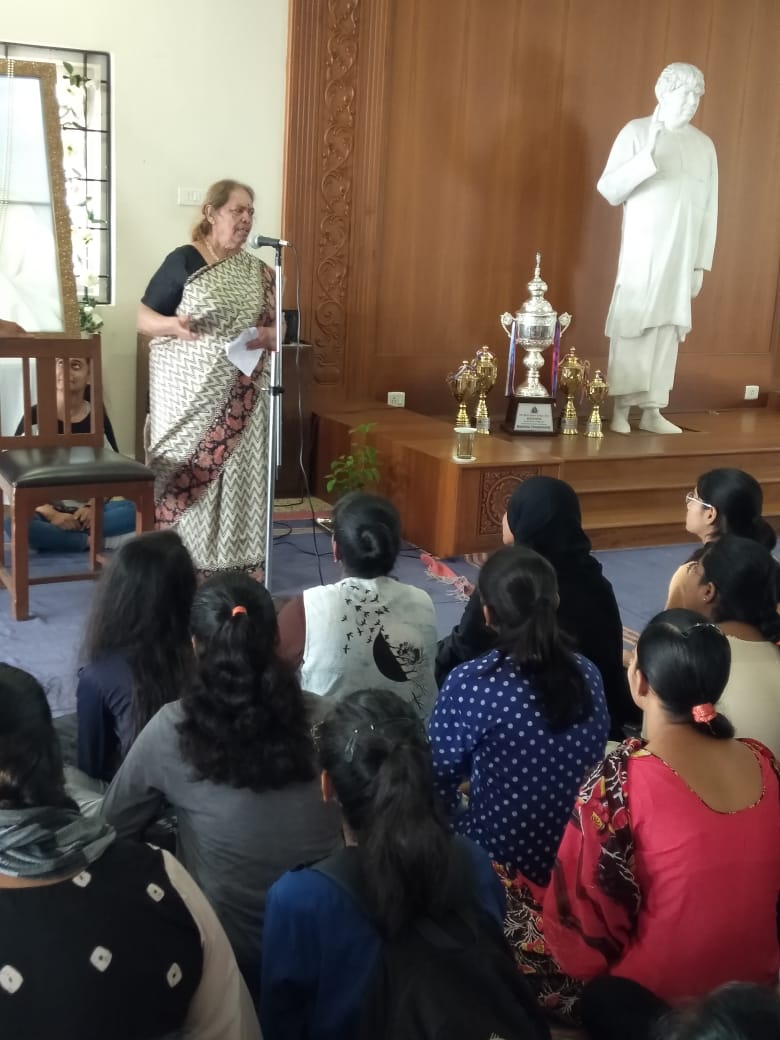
[(535, 327)]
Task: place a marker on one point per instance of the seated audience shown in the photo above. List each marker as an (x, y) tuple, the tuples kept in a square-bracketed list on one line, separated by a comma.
[(734, 583), (724, 501), (524, 723), (137, 648), (326, 927), (673, 848), (736, 1011), (234, 758), (100, 937), (367, 629), (543, 514), (65, 526)]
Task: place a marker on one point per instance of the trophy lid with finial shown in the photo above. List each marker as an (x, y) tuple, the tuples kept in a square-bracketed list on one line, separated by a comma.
[(537, 287), (535, 320)]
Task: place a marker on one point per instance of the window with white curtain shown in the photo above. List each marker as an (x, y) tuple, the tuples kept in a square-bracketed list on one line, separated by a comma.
[(84, 98)]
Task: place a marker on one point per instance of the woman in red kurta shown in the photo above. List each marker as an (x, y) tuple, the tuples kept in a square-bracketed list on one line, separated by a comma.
[(669, 871)]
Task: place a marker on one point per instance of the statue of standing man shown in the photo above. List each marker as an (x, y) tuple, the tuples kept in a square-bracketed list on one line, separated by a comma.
[(664, 173)]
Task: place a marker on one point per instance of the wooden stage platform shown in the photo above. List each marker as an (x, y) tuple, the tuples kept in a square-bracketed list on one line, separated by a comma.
[(632, 488)]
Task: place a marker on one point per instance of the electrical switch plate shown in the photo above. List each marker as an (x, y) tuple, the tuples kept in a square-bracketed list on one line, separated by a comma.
[(190, 196)]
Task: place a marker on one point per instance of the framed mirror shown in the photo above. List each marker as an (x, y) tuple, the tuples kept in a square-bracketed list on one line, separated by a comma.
[(37, 284)]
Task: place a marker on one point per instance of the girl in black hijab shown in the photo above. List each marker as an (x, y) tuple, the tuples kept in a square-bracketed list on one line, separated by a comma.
[(544, 514)]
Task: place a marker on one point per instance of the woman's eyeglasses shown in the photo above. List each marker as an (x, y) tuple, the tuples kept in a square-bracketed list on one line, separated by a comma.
[(693, 497)]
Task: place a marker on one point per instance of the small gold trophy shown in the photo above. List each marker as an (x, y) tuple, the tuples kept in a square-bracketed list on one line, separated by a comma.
[(572, 375), (486, 369), (462, 383), (597, 391)]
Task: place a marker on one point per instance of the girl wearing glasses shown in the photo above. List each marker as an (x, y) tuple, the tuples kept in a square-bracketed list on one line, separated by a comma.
[(724, 501)]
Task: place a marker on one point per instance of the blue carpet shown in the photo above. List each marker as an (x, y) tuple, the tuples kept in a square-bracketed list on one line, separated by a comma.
[(640, 578), (48, 644)]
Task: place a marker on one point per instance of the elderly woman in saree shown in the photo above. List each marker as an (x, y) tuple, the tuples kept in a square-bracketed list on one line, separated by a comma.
[(208, 420)]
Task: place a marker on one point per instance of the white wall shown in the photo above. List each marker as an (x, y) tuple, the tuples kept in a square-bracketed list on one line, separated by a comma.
[(198, 93)]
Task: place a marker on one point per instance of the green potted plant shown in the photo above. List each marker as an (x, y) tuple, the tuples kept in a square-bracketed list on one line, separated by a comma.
[(353, 470)]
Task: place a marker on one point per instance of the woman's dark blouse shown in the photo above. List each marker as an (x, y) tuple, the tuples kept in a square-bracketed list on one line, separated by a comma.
[(105, 726), (81, 426), (164, 291)]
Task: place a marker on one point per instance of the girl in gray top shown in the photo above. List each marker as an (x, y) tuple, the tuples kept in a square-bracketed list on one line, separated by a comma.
[(235, 760)]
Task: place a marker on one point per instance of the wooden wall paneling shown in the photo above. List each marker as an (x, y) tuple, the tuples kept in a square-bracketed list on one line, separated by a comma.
[(376, 56), (602, 49), (733, 113), (467, 191), (470, 135), (775, 345), (317, 201), (299, 196)]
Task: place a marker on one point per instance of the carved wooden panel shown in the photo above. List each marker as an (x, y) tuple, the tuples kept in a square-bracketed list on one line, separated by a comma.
[(334, 179), (495, 490)]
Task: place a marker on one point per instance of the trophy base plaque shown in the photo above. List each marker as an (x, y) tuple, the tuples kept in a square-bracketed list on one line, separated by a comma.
[(526, 415)]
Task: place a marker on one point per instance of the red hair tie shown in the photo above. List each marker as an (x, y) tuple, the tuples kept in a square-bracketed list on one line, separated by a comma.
[(237, 610), (703, 713)]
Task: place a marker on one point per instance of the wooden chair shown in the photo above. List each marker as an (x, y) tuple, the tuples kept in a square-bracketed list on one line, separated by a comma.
[(44, 464)]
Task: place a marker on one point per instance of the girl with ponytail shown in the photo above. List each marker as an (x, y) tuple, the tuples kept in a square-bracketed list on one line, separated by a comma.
[(234, 758), (523, 724), (322, 944), (672, 847)]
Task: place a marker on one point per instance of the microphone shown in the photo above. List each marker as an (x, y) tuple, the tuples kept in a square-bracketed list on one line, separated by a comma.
[(264, 240)]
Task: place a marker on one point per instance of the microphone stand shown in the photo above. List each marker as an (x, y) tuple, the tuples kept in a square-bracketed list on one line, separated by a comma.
[(274, 451)]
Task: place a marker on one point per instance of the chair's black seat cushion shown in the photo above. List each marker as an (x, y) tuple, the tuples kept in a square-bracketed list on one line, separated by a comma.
[(41, 467)]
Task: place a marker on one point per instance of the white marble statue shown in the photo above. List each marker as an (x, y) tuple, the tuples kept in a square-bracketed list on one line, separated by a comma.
[(664, 173)]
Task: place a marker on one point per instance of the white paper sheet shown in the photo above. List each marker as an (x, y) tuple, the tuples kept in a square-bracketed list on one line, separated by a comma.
[(238, 355)]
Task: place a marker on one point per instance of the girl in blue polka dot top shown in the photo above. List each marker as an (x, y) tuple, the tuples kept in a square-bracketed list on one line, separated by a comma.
[(523, 724)]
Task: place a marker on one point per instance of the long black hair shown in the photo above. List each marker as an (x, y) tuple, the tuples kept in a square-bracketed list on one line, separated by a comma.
[(738, 499), (736, 1011), (30, 758), (245, 721), (520, 591), (686, 660), (744, 574), (373, 747), (367, 532), (141, 611)]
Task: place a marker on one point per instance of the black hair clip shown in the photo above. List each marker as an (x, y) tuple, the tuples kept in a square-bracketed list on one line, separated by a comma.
[(700, 624), (409, 724), (349, 747)]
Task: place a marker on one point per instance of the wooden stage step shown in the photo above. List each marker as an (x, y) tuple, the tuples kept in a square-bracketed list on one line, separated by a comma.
[(632, 488)]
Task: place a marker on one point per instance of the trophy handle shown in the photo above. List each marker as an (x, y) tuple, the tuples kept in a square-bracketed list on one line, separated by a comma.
[(564, 320), (506, 320)]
